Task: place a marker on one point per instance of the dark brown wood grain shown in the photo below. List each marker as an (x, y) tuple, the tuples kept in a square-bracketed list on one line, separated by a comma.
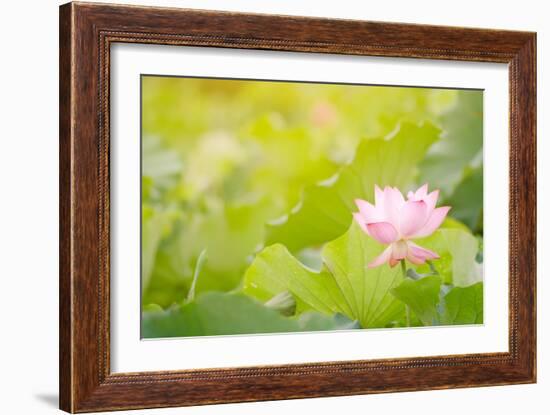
[(86, 33), (65, 247)]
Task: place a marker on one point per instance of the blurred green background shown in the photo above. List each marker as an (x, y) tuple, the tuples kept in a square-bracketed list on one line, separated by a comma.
[(226, 162)]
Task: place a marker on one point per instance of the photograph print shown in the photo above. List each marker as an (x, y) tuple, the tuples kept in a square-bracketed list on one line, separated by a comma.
[(278, 207)]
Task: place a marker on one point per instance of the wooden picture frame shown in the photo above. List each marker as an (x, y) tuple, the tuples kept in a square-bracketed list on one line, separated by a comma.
[(86, 33)]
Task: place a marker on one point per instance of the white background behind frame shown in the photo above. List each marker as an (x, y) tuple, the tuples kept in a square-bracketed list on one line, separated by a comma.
[(130, 354)]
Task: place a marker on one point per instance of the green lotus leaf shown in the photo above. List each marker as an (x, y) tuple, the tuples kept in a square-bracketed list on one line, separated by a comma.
[(344, 285), (215, 314)]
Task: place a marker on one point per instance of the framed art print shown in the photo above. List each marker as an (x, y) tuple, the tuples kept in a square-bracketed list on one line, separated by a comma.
[(261, 207)]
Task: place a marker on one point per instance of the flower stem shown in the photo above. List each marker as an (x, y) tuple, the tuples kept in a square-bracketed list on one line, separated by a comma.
[(407, 310), (198, 267), (433, 269)]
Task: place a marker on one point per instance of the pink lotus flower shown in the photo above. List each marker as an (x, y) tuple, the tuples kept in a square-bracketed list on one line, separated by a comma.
[(394, 221)]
